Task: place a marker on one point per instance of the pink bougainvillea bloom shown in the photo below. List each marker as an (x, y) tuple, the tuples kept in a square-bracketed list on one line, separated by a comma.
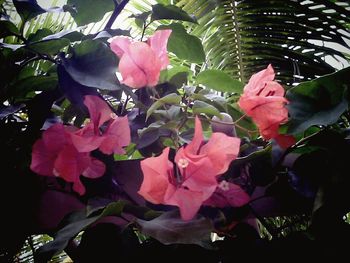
[(140, 63), (112, 140), (228, 194), (55, 155), (263, 100), (193, 177)]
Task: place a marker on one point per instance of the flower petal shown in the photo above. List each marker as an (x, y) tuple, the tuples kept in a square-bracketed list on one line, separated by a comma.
[(221, 150), (285, 141), (99, 110), (156, 171), (188, 202), (85, 139), (95, 170), (146, 59), (132, 75), (158, 43), (193, 147), (79, 187), (258, 81), (120, 45), (70, 164), (116, 136), (235, 196), (55, 138), (42, 159)]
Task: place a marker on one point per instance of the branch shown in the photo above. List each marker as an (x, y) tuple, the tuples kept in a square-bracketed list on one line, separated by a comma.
[(117, 9)]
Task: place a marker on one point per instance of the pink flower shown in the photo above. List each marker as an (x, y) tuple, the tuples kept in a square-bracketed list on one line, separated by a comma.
[(64, 151), (193, 177), (55, 155), (112, 140), (140, 63), (263, 100)]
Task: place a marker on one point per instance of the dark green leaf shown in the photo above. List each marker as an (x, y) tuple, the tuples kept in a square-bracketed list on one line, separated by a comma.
[(33, 83), (203, 107), (318, 102), (169, 228), (184, 45), (219, 80), (7, 28), (93, 64), (88, 11), (170, 12), (171, 98), (28, 9), (50, 47)]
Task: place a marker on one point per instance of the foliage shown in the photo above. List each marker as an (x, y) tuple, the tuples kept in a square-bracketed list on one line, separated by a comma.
[(181, 129)]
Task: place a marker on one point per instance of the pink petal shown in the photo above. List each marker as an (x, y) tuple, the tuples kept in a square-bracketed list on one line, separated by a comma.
[(42, 159), (116, 136), (158, 43), (120, 45), (99, 110), (285, 141), (195, 144), (55, 138), (95, 170), (85, 139), (79, 187), (189, 202), (156, 171), (272, 88), (70, 163), (221, 150), (146, 59), (258, 80), (133, 76)]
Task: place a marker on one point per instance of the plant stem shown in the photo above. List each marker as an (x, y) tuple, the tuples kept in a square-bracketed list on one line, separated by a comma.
[(117, 9)]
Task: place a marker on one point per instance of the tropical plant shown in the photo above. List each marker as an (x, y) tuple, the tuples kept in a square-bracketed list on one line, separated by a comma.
[(140, 128)]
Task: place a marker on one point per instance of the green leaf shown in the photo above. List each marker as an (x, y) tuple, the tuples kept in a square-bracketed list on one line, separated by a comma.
[(203, 107), (171, 98), (219, 80), (75, 223), (33, 83), (28, 9), (172, 12), (93, 64), (50, 47), (169, 228), (184, 45), (88, 11), (318, 102), (7, 28)]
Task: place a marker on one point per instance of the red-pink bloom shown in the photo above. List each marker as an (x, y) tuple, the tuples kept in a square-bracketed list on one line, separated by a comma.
[(115, 136), (263, 100), (64, 151), (55, 155), (193, 178), (140, 63)]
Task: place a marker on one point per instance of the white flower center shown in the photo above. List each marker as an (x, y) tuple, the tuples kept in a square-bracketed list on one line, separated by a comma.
[(182, 163), (224, 185)]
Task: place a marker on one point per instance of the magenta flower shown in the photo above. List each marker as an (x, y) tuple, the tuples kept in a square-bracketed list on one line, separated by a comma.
[(55, 155), (112, 140), (140, 63), (64, 151), (193, 178), (263, 100)]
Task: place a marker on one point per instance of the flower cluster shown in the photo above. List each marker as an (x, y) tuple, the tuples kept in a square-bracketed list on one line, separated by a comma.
[(193, 178), (263, 100), (64, 151)]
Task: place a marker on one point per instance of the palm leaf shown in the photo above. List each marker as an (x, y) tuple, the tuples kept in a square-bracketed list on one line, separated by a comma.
[(298, 37)]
